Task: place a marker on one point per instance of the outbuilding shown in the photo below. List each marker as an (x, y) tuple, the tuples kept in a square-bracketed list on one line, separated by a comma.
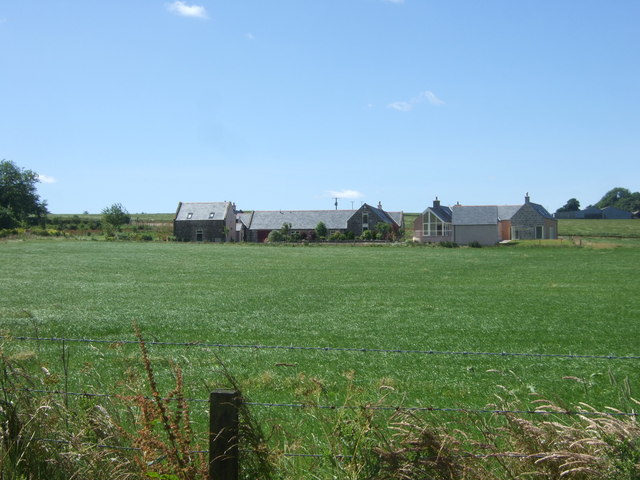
[(205, 222)]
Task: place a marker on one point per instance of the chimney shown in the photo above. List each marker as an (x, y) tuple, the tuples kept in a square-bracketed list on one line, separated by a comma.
[(436, 203), (526, 198), (379, 205)]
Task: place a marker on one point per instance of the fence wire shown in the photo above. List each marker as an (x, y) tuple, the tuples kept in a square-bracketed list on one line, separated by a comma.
[(395, 408)]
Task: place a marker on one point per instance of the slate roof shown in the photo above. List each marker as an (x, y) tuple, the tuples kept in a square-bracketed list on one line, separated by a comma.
[(245, 218), (397, 217), (490, 214), (301, 219), (190, 211), (443, 213), (474, 215), (505, 212), (541, 210), (382, 215)]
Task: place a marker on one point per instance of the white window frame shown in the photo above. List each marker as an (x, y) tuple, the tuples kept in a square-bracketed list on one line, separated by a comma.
[(433, 226)]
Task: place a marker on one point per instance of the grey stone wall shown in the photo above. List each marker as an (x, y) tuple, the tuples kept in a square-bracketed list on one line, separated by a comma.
[(212, 230), (355, 224), (525, 221)]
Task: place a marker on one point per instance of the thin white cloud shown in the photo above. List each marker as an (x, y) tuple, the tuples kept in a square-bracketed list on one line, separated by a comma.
[(250, 36), (46, 179), (402, 106), (345, 194), (184, 10), (407, 106), (394, 1), (431, 98)]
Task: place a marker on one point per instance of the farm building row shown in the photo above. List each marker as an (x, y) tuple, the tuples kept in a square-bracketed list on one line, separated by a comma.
[(463, 224), (607, 213), (485, 224), (221, 221)]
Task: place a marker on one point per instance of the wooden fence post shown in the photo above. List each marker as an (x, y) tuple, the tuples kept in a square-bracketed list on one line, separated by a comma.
[(223, 435)]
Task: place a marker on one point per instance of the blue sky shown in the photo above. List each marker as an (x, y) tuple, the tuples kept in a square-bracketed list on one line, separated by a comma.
[(284, 104)]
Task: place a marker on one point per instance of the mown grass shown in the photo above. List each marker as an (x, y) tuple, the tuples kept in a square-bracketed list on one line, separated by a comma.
[(513, 299)]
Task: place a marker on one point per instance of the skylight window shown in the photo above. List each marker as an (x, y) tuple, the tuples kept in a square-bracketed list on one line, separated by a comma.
[(211, 215), (189, 215)]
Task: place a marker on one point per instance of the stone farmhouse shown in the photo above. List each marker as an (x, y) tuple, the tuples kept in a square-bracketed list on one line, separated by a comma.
[(205, 222), (485, 224), (220, 221)]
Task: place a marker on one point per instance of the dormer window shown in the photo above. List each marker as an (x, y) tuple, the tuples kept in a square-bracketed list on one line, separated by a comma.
[(211, 215), (189, 215)]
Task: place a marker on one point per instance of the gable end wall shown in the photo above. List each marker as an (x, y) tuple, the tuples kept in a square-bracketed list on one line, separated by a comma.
[(527, 218)]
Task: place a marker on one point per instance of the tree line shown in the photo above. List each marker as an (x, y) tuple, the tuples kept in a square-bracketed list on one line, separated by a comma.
[(21, 206), (618, 197)]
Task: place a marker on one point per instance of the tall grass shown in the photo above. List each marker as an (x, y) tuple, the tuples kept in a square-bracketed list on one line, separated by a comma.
[(148, 435)]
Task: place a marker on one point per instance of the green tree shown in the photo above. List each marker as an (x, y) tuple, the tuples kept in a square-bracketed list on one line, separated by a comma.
[(368, 235), (275, 236), (115, 216), (612, 197), (19, 202), (384, 230), (630, 203), (321, 230), (285, 230), (620, 198), (572, 205)]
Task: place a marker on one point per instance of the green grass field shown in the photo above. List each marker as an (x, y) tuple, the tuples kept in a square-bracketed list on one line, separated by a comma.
[(600, 228), (524, 300), (549, 298)]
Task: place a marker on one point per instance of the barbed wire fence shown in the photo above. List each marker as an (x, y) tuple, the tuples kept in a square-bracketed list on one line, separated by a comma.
[(65, 393)]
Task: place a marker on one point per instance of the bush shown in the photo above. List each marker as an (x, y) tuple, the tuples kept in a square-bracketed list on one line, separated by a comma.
[(475, 244), (368, 235), (448, 244), (275, 236), (321, 230)]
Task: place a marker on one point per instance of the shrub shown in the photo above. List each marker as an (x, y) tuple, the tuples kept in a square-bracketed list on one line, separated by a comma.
[(475, 244), (275, 236), (368, 235), (448, 244), (321, 230)]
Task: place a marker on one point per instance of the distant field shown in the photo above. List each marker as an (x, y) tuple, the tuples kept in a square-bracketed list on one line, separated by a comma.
[(135, 217), (600, 228)]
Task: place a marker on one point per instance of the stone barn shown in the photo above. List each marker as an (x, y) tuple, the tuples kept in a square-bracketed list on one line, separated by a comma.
[(205, 222)]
